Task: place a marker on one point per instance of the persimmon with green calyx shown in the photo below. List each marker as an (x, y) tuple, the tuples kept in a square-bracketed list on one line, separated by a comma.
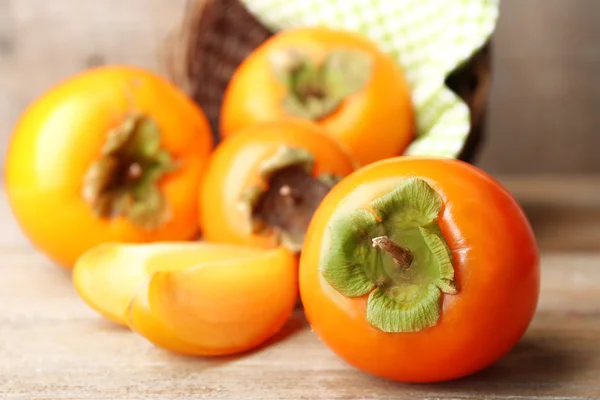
[(429, 265), (112, 154), (263, 185), (337, 79), (107, 276), (230, 304)]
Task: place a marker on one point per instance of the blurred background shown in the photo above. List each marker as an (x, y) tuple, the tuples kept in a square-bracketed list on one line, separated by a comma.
[(544, 109)]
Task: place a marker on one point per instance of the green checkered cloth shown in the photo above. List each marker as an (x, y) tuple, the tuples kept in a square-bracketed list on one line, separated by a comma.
[(428, 38)]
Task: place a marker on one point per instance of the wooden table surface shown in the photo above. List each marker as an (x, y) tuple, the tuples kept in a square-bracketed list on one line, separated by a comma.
[(52, 346)]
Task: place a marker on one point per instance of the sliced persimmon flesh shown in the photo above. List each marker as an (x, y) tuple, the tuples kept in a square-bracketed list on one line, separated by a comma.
[(108, 275), (218, 307)]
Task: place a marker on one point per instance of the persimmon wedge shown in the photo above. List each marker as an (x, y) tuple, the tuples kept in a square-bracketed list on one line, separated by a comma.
[(193, 298), (107, 276), (217, 307)]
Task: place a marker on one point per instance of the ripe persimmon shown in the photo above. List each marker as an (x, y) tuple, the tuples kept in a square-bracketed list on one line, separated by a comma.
[(419, 270), (112, 154), (338, 79), (263, 184)]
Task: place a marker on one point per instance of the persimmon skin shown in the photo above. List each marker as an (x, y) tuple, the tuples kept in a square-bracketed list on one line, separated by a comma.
[(234, 168), (375, 123), (496, 263), (61, 133)]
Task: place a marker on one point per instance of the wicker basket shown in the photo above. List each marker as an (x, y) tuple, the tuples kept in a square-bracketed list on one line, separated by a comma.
[(219, 34)]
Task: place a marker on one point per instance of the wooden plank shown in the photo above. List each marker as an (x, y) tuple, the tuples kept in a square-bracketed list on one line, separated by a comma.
[(563, 210), (544, 98), (52, 346)]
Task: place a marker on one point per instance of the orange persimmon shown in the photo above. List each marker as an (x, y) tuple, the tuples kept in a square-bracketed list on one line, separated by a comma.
[(262, 185), (429, 265), (112, 154), (338, 79)]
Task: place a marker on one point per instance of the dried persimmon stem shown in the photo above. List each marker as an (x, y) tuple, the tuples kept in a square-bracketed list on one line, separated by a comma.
[(402, 256)]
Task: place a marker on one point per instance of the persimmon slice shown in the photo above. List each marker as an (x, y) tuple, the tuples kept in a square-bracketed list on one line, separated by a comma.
[(107, 276), (218, 307)]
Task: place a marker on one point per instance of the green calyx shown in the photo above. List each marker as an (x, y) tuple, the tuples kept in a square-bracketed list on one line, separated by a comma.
[(287, 157), (315, 91), (394, 252), (284, 205), (123, 181)]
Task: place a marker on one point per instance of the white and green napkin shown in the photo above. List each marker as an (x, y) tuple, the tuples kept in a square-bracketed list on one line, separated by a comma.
[(428, 38)]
